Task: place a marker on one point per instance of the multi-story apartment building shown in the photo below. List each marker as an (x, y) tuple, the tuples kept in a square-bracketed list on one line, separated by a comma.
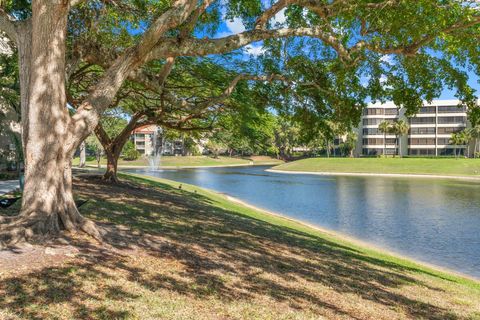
[(430, 130), (144, 139), (149, 140)]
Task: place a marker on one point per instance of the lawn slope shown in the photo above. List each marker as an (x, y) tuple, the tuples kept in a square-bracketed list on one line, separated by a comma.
[(176, 251), (428, 166)]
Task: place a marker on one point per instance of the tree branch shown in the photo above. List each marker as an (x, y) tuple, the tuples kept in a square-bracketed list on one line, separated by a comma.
[(89, 112), (200, 47), (270, 12), (7, 25), (189, 25)]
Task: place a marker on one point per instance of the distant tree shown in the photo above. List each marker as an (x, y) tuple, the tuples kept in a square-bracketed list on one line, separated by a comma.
[(475, 133), (83, 155), (94, 145), (384, 127), (215, 147), (466, 135), (350, 143), (400, 128), (458, 139), (129, 152), (287, 136)]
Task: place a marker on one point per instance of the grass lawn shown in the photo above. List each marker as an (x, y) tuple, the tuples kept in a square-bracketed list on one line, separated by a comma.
[(433, 166), (189, 161), (172, 253)]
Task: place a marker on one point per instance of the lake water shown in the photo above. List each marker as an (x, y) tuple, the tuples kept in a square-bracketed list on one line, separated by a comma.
[(432, 220)]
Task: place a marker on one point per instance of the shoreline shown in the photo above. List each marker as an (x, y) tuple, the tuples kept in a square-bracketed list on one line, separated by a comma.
[(371, 174), (345, 237), (183, 167)]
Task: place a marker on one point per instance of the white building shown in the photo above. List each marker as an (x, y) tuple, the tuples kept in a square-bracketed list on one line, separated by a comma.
[(149, 140), (429, 133)]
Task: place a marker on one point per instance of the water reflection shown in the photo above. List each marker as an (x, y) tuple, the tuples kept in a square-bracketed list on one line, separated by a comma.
[(437, 221)]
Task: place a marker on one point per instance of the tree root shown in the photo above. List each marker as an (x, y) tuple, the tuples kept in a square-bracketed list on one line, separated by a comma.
[(37, 228), (111, 178)]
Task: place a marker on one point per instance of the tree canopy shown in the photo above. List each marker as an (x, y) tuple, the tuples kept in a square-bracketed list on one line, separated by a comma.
[(320, 60)]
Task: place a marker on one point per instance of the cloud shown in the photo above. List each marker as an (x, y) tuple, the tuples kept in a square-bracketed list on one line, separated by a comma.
[(280, 17), (387, 58), (235, 26), (254, 50)]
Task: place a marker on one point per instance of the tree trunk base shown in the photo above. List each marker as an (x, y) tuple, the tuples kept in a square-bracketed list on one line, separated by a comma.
[(110, 177), (33, 227)]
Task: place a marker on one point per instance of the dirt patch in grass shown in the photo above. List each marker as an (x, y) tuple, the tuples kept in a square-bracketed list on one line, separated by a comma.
[(171, 254)]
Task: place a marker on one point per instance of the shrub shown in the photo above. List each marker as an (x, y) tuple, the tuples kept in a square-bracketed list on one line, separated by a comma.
[(129, 153)]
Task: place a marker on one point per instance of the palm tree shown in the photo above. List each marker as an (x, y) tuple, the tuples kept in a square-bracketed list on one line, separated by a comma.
[(467, 137), (475, 132), (457, 139), (400, 128), (384, 127)]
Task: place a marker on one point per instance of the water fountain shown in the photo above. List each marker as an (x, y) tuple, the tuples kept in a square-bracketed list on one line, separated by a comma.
[(155, 157)]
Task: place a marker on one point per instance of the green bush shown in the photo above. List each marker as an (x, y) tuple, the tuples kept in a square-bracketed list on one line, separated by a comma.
[(129, 153)]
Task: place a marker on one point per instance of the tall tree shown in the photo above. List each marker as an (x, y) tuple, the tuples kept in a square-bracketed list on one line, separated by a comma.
[(349, 34), (385, 127), (475, 132)]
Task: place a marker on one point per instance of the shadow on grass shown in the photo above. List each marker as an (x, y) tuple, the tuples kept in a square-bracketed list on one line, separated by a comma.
[(222, 254)]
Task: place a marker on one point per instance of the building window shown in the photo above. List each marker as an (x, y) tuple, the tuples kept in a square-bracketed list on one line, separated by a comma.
[(443, 141), (421, 152), (448, 130), (373, 111), (422, 130), (451, 109), (416, 120), (391, 111), (371, 121), (140, 136), (421, 141), (372, 141), (427, 110), (453, 120), (367, 131), (450, 151), (371, 151)]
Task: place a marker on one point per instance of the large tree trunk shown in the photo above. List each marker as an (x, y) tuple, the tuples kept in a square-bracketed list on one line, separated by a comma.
[(112, 165), (113, 147), (47, 203)]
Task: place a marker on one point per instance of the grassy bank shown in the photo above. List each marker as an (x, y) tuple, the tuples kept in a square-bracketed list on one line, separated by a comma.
[(187, 253), (431, 166), (189, 161)]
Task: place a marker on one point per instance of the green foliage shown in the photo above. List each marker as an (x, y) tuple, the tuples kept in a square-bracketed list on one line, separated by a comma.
[(129, 152), (287, 136), (113, 124), (9, 83), (94, 146), (324, 86), (215, 147)]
